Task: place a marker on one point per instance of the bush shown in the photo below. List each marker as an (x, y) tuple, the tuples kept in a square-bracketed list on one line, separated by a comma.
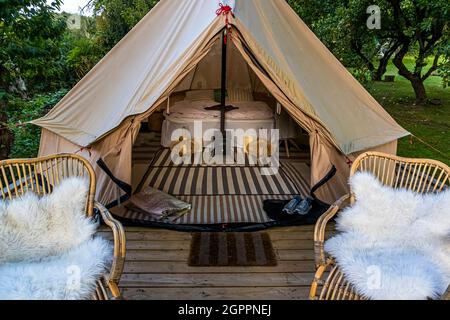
[(27, 137), (362, 74)]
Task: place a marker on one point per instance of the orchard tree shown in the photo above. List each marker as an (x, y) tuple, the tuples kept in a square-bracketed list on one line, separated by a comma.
[(409, 28), (342, 26), (422, 28)]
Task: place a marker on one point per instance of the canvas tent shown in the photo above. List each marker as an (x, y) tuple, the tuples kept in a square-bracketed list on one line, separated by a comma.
[(101, 116)]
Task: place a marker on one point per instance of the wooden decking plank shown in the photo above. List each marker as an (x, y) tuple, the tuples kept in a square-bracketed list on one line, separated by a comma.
[(222, 293), (280, 229), (217, 280), (182, 267), (150, 236), (185, 245), (160, 236), (155, 237), (157, 255), (182, 255)]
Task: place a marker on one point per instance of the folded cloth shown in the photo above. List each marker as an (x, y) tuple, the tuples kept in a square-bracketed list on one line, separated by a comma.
[(161, 206)]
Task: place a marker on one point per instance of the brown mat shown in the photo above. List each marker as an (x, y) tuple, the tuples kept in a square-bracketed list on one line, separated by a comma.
[(231, 249)]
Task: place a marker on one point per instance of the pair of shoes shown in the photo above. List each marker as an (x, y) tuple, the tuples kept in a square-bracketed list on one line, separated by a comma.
[(290, 207), (304, 207), (298, 206)]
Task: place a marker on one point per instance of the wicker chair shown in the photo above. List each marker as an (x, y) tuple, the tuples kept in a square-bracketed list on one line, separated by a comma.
[(40, 176), (418, 175)]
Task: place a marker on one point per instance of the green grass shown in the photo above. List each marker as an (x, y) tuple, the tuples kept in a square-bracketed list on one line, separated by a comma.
[(430, 123)]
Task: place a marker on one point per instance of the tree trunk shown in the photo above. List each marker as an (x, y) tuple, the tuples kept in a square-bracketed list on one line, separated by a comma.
[(416, 80), (369, 64), (381, 70), (419, 90), (5, 134), (382, 66)]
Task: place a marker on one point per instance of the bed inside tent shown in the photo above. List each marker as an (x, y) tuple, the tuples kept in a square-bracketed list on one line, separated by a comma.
[(230, 193)]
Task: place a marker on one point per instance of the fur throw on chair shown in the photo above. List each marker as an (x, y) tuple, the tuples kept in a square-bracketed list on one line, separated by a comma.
[(47, 245), (395, 244)]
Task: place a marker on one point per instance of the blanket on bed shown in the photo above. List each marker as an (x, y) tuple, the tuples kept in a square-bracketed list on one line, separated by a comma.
[(248, 110)]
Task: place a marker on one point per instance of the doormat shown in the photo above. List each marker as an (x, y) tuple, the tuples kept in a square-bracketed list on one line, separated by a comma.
[(231, 249)]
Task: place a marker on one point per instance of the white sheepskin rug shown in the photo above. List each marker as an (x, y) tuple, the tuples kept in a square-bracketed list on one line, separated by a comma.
[(394, 244), (47, 249)]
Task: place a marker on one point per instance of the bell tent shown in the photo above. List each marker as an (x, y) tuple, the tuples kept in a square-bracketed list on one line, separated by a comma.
[(178, 47)]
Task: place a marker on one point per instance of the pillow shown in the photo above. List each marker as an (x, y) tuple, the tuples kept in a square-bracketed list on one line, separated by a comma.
[(240, 95), (196, 95), (33, 227)]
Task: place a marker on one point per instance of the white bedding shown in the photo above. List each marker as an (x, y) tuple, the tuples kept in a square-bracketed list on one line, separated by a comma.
[(250, 115), (249, 110)]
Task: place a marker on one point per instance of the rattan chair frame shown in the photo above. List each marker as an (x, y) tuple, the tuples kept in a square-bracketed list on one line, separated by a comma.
[(41, 175), (418, 175)]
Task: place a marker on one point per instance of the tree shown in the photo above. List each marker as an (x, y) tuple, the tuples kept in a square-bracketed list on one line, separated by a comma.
[(408, 27), (84, 48), (115, 18), (421, 27), (373, 47), (342, 26), (29, 54)]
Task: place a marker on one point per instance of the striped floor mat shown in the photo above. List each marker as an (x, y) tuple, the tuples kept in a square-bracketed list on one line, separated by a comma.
[(228, 195), (222, 180), (215, 210), (148, 144), (219, 194)]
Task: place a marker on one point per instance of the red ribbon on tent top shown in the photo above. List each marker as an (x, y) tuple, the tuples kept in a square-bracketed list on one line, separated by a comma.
[(225, 10)]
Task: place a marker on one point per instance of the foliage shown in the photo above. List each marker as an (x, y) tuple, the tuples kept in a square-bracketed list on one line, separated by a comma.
[(444, 71), (21, 111), (115, 18), (30, 38), (429, 123), (83, 55), (30, 56), (423, 27), (408, 27)]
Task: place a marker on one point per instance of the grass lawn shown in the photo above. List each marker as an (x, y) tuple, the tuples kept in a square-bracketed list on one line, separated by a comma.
[(430, 123)]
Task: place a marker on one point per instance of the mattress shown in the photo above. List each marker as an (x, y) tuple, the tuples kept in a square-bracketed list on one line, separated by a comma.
[(254, 115), (195, 110)]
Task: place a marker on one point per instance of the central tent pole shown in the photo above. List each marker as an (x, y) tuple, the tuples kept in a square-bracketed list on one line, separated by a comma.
[(223, 90), (223, 108)]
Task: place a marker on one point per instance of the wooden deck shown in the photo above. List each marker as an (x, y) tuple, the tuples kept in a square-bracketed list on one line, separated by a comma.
[(156, 268)]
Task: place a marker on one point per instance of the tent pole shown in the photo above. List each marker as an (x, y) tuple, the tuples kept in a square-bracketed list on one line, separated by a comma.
[(223, 108), (223, 88), (223, 92)]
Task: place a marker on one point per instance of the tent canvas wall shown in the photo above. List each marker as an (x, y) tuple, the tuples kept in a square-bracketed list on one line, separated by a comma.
[(100, 117)]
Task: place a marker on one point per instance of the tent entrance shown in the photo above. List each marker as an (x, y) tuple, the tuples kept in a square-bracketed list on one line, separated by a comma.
[(230, 195), (220, 194)]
